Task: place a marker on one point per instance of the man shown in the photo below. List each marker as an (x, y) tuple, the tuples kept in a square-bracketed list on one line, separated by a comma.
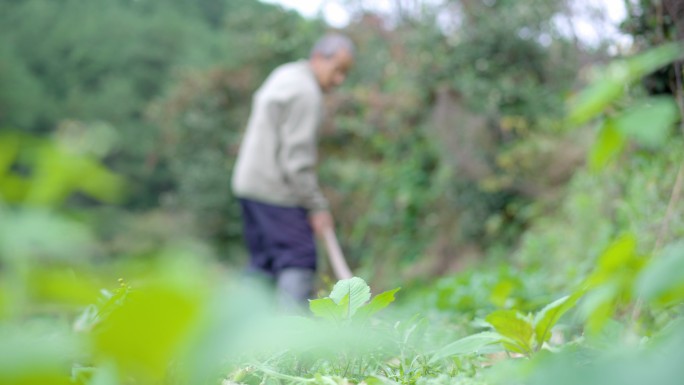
[(275, 173)]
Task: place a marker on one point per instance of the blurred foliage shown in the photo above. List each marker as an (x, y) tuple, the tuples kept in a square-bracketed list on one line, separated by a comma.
[(653, 23), (175, 86), (75, 61)]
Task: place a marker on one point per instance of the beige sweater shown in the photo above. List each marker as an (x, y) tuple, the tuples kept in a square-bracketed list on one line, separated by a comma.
[(277, 159)]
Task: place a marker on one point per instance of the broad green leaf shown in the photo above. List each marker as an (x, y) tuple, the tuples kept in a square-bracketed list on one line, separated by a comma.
[(378, 303), (609, 144), (468, 345), (612, 81), (502, 291), (653, 59), (598, 305), (594, 99), (618, 252), (14, 188), (58, 173), (32, 232), (649, 121), (100, 183), (356, 289), (62, 286), (32, 357), (326, 308), (546, 318), (513, 325), (663, 278), (147, 331)]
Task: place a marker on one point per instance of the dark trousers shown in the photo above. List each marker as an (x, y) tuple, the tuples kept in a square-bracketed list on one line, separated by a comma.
[(277, 237)]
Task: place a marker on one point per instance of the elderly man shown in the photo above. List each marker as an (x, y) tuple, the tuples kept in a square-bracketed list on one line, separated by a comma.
[(275, 173)]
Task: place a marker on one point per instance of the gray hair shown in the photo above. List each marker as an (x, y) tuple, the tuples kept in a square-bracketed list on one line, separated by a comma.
[(328, 45)]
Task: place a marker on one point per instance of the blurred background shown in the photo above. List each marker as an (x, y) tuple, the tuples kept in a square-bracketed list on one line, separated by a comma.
[(446, 146)]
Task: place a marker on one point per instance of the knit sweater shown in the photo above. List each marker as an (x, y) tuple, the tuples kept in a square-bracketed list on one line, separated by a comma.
[(277, 159)]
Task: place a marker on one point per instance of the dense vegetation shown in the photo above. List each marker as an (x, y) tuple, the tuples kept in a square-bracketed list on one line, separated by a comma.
[(520, 185)]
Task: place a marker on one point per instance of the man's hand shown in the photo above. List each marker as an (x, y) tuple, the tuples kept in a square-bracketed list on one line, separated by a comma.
[(321, 221)]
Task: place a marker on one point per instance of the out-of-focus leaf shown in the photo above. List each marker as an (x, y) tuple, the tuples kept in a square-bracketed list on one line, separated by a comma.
[(619, 254), (598, 306), (39, 233), (662, 279), (31, 357), (648, 122), (357, 291), (468, 345), (502, 291), (58, 173), (598, 96), (547, 318), (14, 188), (148, 329), (609, 144), (513, 326), (100, 183), (612, 81), (378, 303), (64, 286)]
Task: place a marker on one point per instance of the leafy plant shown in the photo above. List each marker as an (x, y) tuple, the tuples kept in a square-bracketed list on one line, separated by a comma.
[(349, 300), (647, 121), (516, 332)]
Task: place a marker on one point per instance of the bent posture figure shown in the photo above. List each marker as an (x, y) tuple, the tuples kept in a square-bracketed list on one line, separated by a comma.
[(275, 173)]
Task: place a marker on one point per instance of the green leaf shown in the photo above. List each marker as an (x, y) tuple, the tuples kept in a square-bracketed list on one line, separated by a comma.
[(649, 121), (653, 59), (326, 308), (512, 325), (609, 144), (599, 305), (148, 329), (546, 318), (618, 255), (663, 278), (34, 232), (468, 345), (356, 289), (594, 99), (612, 81), (378, 303), (37, 355), (502, 291)]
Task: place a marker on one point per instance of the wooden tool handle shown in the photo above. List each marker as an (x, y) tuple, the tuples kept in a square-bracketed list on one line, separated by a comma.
[(337, 261)]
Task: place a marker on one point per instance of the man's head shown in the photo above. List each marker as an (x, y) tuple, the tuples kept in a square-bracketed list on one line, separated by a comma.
[(331, 58)]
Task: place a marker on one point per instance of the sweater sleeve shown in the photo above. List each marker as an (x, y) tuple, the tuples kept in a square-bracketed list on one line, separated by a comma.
[(298, 152)]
